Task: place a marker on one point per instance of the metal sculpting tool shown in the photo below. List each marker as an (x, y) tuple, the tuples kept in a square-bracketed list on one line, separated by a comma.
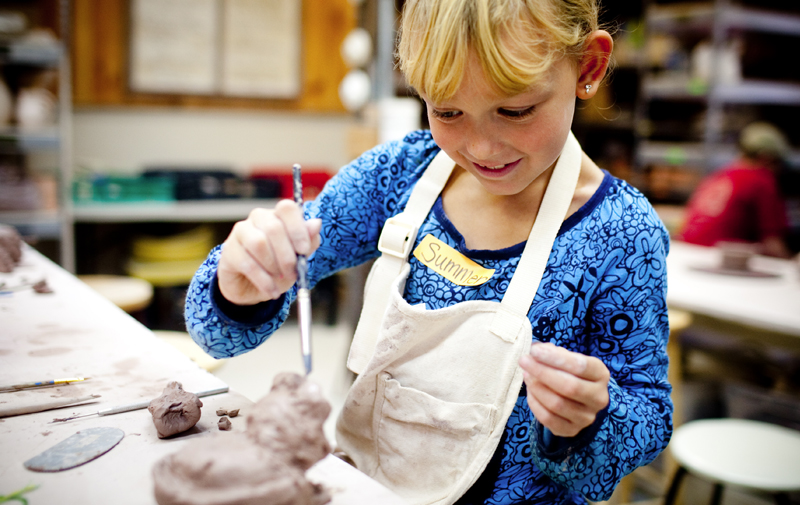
[(133, 406), (303, 295)]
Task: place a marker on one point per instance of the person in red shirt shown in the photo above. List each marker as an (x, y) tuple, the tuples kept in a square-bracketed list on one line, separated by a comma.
[(742, 202)]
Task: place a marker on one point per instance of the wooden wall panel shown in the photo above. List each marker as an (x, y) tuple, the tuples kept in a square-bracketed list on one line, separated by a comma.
[(100, 60)]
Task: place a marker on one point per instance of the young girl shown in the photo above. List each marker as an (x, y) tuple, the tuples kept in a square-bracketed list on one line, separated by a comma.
[(512, 346)]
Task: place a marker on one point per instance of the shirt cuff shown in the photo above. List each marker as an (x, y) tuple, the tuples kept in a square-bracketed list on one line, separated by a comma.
[(557, 448), (244, 315)]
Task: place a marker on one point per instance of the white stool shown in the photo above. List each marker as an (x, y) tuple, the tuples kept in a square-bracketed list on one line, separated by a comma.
[(737, 452), (128, 293), (184, 343)]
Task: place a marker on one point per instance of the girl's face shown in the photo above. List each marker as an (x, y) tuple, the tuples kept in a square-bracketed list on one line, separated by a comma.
[(506, 142)]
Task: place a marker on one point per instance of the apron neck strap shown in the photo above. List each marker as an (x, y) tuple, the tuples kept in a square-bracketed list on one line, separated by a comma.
[(552, 212), (399, 232), (428, 188)]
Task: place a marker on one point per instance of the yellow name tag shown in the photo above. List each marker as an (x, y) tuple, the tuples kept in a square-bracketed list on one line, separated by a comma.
[(450, 264)]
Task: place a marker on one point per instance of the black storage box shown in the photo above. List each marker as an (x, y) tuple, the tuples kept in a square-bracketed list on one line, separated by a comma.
[(216, 183)]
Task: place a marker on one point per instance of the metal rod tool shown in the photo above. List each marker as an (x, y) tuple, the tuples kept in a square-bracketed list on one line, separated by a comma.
[(134, 406), (303, 295)]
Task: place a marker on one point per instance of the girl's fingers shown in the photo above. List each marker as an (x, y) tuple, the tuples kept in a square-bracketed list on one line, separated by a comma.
[(291, 216), (249, 241), (567, 385), (577, 414), (564, 386), (586, 367), (259, 258), (314, 226), (559, 425), (242, 280), (269, 244)]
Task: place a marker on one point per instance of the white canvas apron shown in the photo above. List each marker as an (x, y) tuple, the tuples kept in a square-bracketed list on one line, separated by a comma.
[(435, 388)]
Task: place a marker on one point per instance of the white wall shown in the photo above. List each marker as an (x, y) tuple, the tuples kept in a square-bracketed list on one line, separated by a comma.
[(128, 140)]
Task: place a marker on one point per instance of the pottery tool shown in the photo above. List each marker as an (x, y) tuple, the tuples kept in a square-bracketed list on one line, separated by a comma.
[(80, 448), (303, 295), (36, 405), (53, 382), (132, 406)]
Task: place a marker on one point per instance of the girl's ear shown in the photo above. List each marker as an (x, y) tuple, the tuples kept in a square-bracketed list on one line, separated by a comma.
[(594, 63)]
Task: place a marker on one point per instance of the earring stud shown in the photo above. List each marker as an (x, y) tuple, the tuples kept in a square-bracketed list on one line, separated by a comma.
[(588, 88)]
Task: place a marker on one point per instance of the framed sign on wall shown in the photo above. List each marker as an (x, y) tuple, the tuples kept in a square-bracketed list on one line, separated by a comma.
[(229, 47), (281, 54)]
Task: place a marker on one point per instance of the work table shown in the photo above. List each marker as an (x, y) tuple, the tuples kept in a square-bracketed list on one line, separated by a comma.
[(765, 307), (74, 332)]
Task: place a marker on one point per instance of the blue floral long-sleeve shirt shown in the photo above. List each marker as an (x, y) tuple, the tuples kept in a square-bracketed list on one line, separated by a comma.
[(603, 294)]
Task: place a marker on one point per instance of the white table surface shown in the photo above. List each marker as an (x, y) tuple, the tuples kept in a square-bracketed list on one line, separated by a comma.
[(768, 303), (75, 332)]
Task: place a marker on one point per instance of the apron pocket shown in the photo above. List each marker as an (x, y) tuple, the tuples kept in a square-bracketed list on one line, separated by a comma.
[(423, 443)]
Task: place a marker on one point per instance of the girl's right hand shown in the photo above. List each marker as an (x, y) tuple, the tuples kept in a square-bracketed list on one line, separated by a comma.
[(259, 257)]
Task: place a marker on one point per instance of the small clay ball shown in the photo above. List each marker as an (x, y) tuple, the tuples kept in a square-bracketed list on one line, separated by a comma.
[(233, 413), (175, 411), (224, 423), (42, 288), (222, 412)]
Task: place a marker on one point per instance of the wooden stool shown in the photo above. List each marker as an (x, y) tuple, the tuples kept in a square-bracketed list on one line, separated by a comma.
[(128, 293), (738, 452), (184, 343)]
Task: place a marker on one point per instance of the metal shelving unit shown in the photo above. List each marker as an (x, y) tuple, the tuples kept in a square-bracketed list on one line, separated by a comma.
[(173, 212), (716, 21), (46, 224)]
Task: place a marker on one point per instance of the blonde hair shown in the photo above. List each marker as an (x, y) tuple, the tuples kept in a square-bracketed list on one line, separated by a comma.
[(515, 40)]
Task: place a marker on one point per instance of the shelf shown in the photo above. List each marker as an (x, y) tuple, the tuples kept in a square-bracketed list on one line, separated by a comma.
[(680, 18), (692, 154), (746, 92), (32, 140), (759, 92), (674, 87), (41, 223), (699, 17), (29, 53), (681, 154), (36, 58), (179, 211)]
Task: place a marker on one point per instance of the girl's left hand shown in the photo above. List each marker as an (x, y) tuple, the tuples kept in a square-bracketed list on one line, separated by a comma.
[(566, 389)]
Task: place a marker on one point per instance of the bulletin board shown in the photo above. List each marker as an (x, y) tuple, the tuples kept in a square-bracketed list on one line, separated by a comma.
[(281, 54)]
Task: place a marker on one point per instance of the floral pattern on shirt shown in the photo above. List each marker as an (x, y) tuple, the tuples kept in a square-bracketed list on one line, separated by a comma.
[(603, 294)]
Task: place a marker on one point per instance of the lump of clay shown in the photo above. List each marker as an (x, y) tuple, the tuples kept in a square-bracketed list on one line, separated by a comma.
[(288, 421), (224, 423), (230, 469), (42, 288), (265, 465), (10, 248), (175, 411)]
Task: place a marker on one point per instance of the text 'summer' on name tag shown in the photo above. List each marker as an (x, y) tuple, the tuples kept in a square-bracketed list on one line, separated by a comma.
[(450, 264)]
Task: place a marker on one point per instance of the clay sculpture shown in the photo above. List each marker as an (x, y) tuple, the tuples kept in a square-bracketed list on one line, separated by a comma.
[(175, 411), (265, 465)]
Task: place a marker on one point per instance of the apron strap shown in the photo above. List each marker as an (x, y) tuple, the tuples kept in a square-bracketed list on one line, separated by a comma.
[(552, 212), (400, 232), (396, 240)]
